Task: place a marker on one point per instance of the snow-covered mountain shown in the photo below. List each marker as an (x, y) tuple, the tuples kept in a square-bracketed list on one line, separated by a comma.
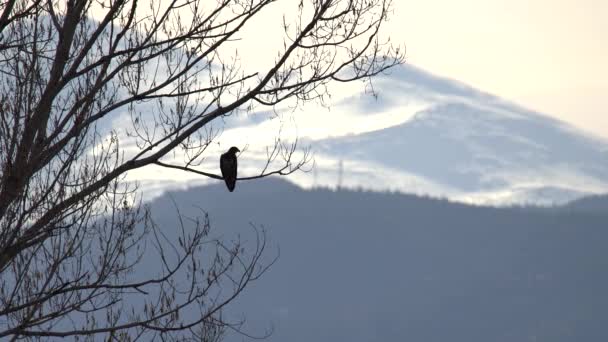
[(462, 144), (422, 134)]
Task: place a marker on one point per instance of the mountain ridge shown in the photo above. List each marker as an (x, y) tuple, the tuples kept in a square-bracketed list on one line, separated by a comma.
[(476, 146), (362, 266), (423, 134)]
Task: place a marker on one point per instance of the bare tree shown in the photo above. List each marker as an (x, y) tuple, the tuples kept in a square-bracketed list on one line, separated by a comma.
[(73, 232)]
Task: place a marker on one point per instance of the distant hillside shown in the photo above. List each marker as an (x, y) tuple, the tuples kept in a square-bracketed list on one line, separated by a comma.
[(596, 204), (421, 133), (362, 266), (472, 147)]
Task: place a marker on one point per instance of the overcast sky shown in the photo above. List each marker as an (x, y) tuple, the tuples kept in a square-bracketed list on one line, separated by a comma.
[(549, 55)]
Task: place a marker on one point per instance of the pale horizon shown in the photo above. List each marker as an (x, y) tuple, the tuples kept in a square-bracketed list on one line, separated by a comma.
[(548, 56)]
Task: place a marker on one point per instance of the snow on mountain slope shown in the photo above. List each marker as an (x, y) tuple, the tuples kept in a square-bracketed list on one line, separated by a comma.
[(470, 146), (420, 134)]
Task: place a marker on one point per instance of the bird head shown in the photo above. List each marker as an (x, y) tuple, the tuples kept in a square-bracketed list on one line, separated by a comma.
[(233, 150)]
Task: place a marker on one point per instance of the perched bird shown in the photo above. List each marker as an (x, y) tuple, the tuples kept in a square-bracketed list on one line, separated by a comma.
[(228, 166)]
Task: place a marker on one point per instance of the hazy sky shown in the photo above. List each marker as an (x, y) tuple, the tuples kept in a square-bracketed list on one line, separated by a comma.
[(549, 55)]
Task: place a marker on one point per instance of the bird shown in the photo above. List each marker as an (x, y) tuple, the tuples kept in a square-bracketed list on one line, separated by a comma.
[(228, 165)]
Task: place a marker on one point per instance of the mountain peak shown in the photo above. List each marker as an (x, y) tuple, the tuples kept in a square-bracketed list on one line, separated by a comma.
[(426, 134), (468, 145)]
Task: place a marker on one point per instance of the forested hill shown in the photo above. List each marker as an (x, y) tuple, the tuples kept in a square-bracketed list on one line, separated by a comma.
[(591, 204), (363, 266)]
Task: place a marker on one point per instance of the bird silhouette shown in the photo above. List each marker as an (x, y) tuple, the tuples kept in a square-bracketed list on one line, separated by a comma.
[(228, 165)]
